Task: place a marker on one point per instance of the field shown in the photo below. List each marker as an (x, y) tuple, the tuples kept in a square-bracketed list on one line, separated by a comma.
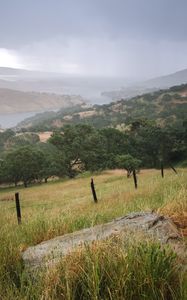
[(61, 207)]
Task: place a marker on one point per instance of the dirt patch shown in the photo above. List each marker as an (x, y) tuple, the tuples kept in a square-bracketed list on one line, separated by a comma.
[(44, 136), (87, 114)]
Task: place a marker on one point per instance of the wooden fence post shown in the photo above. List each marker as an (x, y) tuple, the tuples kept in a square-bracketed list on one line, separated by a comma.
[(174, 170), (93, 191), (18, 208), (135, 179), (162, 170)]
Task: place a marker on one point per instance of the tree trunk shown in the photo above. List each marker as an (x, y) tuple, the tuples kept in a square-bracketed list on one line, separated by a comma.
[(25, 184), (128, 173)]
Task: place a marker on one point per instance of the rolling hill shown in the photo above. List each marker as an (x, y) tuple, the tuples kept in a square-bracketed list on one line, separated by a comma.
[(164, 107), (12, 101), (150, 85), (90, 88), (96, 90)]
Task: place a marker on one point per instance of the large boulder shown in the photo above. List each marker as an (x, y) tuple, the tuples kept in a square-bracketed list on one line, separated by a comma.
[(151, 224)]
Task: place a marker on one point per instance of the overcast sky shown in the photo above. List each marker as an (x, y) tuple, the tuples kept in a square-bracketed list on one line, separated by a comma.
[(128, 38)]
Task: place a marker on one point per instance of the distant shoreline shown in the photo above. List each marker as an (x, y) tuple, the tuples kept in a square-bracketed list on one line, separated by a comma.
[(12, 119)]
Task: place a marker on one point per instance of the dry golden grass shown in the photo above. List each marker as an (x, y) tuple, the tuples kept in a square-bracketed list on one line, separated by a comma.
[(60, 207), (176, 209), (71, 201)]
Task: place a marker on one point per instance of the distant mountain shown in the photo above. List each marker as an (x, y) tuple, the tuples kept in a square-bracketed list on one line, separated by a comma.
[(12, 101), (167, 106), (10, 71), (31, 81), (4, 71), (58, 83), (95, 90), (151, 85), (176, 78)]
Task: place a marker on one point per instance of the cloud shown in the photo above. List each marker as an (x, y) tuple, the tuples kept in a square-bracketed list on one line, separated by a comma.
[(9, 58), (121, 57), (130, 38), (25, 21)]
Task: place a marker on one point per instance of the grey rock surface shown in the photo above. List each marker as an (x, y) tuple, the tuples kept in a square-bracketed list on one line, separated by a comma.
[(156, 226)]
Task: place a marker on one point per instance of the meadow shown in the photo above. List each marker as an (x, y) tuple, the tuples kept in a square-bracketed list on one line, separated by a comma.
[(110, 270)]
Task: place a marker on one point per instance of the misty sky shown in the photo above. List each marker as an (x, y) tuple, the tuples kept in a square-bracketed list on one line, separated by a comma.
[(127, 38)]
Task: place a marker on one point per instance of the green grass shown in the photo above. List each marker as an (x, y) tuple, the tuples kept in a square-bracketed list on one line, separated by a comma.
[(61, 207)]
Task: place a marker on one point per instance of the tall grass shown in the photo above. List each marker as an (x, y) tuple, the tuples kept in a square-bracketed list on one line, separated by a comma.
[(61, 207), (115, 269)]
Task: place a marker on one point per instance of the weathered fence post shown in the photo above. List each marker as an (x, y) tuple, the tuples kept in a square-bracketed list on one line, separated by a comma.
[(135, 179), (173, 169), (162, 170), (18, 208), (93, 190)]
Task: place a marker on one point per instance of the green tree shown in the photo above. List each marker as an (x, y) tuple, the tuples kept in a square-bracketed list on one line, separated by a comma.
[(81, 148), (3, 173), (24, 164), (128, 162), (22, 139), (4, 136), (149, 142), (115, 143), (53, 164)]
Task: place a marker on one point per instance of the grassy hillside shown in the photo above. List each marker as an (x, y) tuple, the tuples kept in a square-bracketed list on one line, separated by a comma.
[(61, 207), (164, 106), (12, 101)]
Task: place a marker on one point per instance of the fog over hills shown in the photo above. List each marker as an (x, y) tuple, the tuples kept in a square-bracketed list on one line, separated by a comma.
[(12, 101), (176, 78), (7, 73), (4, 71), (151, 85), (90, 88), (165, 107), (95, 89), (23, 91)]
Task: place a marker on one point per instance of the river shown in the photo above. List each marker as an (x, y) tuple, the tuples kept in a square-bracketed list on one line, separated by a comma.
[(11, 120)]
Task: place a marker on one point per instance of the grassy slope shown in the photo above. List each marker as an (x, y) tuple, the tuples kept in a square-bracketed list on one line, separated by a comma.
[(14, 101), (62, 207), (165, 107)]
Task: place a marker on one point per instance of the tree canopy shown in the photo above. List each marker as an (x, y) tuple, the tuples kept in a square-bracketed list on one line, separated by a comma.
[(81, 147)]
